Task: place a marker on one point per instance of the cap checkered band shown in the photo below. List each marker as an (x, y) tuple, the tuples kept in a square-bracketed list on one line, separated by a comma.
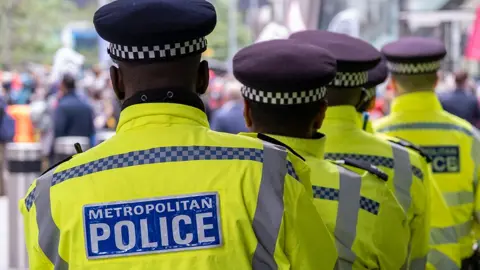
[(157, 52), (285, 98), (350, 79), (414, 68)]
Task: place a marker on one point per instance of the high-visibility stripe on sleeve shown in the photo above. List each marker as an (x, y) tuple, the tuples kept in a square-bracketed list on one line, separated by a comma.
[(458, 198), (403, 176), (48, 232), (441, 261), (347, 217), (441, 236), (418, 264), (270, 207), (464, 229), (475, 154)]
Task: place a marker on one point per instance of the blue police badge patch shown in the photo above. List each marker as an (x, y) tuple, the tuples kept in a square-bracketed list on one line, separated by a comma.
[(445, 159), (141, 227)]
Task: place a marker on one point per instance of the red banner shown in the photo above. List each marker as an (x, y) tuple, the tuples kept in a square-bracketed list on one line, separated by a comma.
[(473, 45)]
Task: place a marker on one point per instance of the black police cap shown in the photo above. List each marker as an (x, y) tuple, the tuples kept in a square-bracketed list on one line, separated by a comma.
[(284, 72), (155, 30)]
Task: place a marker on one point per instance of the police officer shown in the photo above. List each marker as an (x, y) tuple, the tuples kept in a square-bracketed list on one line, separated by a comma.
[(452, 143), (287, 103), (444, 249), (166, 192), (347, 140)]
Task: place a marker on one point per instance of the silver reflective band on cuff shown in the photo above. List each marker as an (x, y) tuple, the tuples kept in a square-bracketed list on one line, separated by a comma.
[(458, 198), (464, 229), (418, 264), (270, 207), (439, 236), (441, 261), (347, 217), (48, 232)]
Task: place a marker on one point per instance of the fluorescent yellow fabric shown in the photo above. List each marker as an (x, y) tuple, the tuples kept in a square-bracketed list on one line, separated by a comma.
[(346, 139), (454, 146), (302, 242), (373, 247)]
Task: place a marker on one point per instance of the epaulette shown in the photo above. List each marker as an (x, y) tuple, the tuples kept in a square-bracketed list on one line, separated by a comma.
[(56, 165), (414, 147), (271, 140), (363, 166)]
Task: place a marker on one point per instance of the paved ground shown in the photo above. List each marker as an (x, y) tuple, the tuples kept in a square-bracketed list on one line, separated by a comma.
[(3, 234)]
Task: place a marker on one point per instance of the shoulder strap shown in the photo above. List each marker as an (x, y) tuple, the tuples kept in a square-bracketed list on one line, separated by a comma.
[(271, 140), (363, 166), (412, 146)]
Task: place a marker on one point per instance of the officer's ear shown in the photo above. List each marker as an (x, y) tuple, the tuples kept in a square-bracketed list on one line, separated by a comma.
[(317, 122), (203, 78), (117, 82), (247, 115)]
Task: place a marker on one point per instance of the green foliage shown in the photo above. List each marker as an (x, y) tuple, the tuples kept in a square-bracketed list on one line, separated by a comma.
[(218, 40)]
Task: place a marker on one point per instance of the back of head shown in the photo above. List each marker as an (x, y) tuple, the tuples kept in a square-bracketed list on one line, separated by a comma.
[(68, 83), (354, 57), (157, 44), (284, 99), (461, 78)]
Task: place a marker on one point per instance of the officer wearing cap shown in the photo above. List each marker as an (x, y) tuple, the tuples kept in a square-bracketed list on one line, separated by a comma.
[(452, 143), (285, 104), (346, 139), (376, 76), (441, 219), (138, 201)]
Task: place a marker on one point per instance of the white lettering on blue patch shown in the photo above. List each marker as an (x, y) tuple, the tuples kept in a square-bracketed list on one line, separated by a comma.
[(141, 227), (445, 159)]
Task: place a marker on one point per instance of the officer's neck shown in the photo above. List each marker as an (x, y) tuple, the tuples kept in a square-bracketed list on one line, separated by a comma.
[(135, 90), (412, 91)]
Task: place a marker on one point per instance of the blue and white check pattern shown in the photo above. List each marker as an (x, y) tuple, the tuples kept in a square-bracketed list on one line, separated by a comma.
[(159, 155), (333, 194), (30, 199), (375, 160)]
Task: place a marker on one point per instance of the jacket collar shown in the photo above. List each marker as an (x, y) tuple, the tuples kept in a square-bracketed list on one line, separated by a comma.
[(418, 101), (163, 114), (341, 117)]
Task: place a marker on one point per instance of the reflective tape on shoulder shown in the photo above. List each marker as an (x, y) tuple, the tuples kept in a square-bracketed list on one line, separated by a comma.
[(418, 264), (48, 232), (270, 207), (425, 126), (403, 177), (347, 216), (440, 236)]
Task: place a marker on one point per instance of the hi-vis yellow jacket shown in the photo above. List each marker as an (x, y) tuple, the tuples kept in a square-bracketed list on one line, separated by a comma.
[(444, 250), (454, 146), (404, 167), (168, 193), (359, 209)]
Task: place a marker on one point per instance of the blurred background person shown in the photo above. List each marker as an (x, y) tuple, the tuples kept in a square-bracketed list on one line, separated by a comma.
[(461, 101), (229, 117)]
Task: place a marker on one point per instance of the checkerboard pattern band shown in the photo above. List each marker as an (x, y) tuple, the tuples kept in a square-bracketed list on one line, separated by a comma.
[(414, 68), (158, 155), (350, 79), (375, 160), (159, 52), (286, 98), (333, 194)]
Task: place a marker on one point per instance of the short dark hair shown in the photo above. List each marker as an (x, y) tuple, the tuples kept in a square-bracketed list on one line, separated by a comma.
[(68, 81), (460, 78), (291, 120), (416, 82)]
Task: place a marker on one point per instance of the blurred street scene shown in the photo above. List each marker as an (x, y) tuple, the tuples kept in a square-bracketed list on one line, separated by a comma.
[(55, 82)]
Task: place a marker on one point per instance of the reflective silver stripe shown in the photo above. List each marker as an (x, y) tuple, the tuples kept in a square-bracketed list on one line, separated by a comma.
[(270, 208), (475, 153), (439, 236), (458, 198), (403, 179), (418, 264), (48, 232), (464, 229), (347, 217), (403, 175), (441, 261)]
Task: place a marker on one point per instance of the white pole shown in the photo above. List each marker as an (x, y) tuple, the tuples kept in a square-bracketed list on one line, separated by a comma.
[(232, 32)]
